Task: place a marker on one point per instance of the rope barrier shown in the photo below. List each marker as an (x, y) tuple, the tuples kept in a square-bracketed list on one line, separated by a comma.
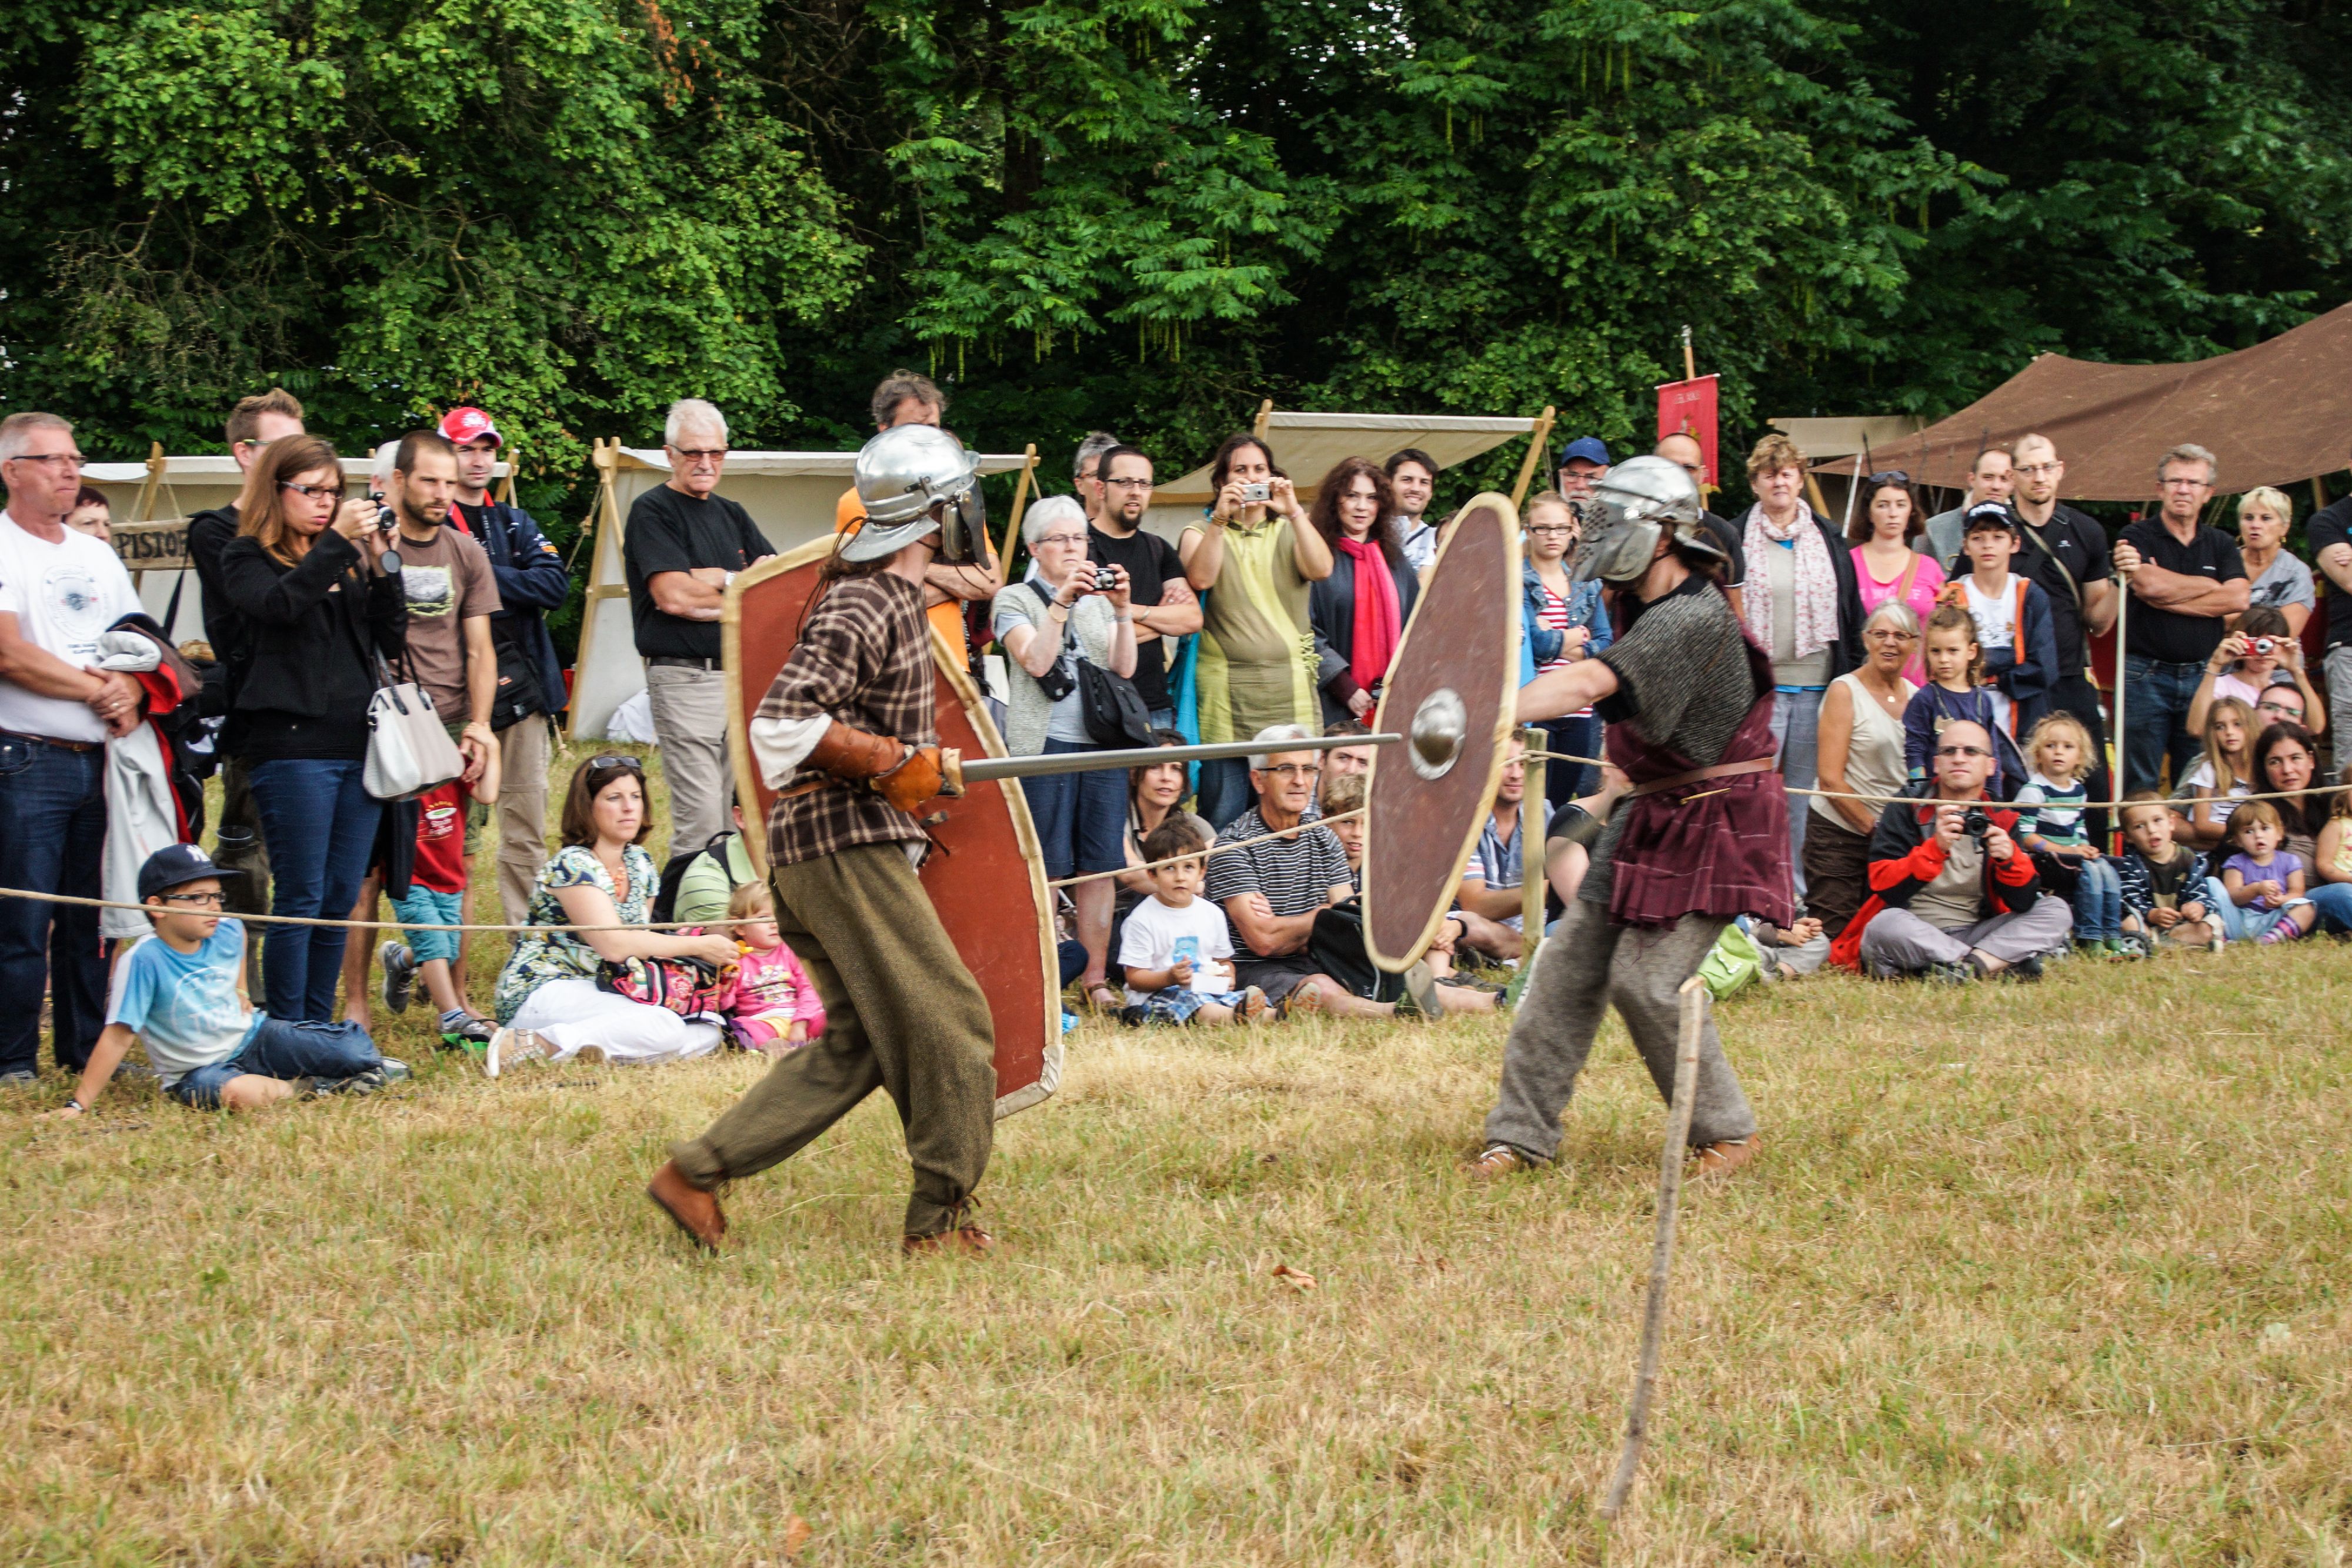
[(349, 924)]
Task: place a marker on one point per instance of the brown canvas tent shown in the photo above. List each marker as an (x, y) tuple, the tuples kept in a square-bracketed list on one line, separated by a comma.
[(2273, 414)]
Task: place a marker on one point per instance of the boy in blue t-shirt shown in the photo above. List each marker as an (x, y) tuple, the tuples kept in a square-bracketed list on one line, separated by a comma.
[(182, 992)]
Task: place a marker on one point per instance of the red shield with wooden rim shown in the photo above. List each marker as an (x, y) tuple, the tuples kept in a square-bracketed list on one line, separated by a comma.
[(984, 873), (1456, 672)]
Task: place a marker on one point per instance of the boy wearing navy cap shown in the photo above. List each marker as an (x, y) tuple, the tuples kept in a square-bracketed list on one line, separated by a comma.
[(182, 991)]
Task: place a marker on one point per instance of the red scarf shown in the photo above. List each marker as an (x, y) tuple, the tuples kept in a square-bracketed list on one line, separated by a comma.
[(1378, 622)]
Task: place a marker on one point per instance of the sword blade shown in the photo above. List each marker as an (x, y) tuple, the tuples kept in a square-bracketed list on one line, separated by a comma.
[(981, 770)]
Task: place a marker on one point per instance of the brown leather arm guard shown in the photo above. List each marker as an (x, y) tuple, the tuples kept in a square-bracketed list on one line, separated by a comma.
[(904, 775)]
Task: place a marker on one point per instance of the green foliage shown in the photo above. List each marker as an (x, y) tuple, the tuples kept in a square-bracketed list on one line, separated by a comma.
[(1145, 215)]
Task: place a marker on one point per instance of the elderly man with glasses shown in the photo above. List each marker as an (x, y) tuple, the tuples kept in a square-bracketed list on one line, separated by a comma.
[(685, 544), (1952, 896), (59, 589)]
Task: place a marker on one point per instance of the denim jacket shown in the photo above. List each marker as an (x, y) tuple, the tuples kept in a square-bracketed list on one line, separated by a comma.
[(1539, 644)]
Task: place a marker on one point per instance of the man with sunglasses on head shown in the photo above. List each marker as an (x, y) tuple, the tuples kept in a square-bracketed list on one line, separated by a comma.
[(59, 590), (847, 736), (685, 544), (2065, 552), (1953, 897)]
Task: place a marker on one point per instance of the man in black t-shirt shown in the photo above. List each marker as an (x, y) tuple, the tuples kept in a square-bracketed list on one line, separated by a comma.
[(683, 544), (1165, 607), (2185, 579), (2066, 552), (2330, 534)]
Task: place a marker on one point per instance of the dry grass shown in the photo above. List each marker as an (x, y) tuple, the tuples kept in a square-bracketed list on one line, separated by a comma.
[(2002, 1290)]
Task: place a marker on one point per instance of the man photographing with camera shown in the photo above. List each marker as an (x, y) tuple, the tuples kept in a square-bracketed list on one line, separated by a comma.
[(1952, 896)]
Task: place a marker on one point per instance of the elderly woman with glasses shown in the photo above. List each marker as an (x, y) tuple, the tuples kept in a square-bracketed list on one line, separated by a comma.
[(1862, 744), (548, 997), (1074, 610)]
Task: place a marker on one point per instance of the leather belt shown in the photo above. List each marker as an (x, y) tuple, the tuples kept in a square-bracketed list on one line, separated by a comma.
[(53, 741), (1698, 775), (669, 661)]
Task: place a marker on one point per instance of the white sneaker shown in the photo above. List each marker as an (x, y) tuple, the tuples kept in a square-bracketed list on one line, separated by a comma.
[(509, 1047)]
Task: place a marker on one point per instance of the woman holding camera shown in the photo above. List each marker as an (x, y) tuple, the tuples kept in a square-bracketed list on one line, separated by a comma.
[(1256, 664), (2250, 659), (308, 573), (1074, 610)]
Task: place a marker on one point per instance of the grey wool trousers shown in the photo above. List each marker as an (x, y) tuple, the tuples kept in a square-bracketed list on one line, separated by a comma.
[(1589, 963), (903, 1016)]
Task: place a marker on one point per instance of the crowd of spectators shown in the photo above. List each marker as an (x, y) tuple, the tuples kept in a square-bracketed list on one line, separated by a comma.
[(1933, 695)]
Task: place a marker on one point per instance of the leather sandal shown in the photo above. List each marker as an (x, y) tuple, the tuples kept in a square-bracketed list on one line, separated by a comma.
[(963, 1241), (1726, 1156), (1496, 1161)]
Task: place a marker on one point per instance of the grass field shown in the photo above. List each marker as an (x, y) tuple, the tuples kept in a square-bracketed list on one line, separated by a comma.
[(2025, 1276)]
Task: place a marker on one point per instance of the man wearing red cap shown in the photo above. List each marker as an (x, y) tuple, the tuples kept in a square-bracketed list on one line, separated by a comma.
[(532, 580)]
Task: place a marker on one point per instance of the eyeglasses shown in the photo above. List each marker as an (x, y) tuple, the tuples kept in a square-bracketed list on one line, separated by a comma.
[(1551, 528), (1890, 633), (1060, 538), (1294, 770), (2186, 484), (2036, 470), (215, 900), (63, 461), (1962, 752), (624, 761), (309, 492), (2286, 709), (1126, 484), (697, 456), (1888, 476)]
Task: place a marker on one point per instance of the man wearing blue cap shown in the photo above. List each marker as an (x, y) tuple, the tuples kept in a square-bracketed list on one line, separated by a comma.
[(1583, 463), (182, 992)]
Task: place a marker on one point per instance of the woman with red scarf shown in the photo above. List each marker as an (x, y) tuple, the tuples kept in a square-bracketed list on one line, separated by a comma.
[(1360, 610)]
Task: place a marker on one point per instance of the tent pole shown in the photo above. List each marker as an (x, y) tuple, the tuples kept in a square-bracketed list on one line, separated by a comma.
[(506, 486), (1537, 436), (1020, 505), (1264, 418), (2319, 492), (607, 510), (157, 463), (2123, 741), (1813, 494)]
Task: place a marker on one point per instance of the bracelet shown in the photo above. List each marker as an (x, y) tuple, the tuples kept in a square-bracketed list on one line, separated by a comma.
[(75, 1105)]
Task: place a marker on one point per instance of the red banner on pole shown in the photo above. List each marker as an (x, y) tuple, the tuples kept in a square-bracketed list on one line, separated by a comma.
[(1687, 408)]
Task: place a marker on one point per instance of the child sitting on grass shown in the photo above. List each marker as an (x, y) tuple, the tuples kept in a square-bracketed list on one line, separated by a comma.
[(775, 1006), (2166, 892), (1954, 695), (1175, 948), (2262, 884), (2225, 773), (182, 993), (436, 897), (2050, 823)]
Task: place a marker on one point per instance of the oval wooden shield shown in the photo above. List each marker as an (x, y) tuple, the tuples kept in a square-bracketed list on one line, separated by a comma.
[(1464, 637), (986, 876)]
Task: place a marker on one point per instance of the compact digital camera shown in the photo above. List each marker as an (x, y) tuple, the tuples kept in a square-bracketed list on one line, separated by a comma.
[(2266, 645), (1256, 495)]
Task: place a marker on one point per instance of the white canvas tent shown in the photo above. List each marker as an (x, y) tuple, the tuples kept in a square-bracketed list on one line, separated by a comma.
[(789, 495), (152, 503), (1305, 446)]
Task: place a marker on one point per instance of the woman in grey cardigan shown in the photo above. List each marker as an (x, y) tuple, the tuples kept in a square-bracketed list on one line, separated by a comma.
[(1073, 609)]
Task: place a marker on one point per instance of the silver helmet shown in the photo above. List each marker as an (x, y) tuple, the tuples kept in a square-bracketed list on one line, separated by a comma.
[(904, 477), (1635, 504)]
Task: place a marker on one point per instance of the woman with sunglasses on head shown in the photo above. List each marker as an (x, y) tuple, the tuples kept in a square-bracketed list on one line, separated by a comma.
[(320, 600), (1887, 567), (549, 998)]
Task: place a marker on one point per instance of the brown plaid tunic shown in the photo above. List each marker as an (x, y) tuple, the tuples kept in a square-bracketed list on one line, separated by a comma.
[(863, 660)]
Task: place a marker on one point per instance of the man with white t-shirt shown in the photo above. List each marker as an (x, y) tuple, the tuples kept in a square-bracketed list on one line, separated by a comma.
[(59, 590)]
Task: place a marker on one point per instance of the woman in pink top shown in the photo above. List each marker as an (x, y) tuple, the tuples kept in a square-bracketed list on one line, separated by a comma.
[(1885, 566), (775, 1006)]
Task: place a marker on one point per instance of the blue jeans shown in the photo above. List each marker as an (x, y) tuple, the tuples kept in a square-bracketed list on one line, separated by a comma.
[(2334, 902), (1224, 790), (52, 833), (1796, 732), (2243, 922), (2156, 720), (320, 825), (1163, 718), (2098, 900), (1081, 817), (279, 1050), (1564, 782)]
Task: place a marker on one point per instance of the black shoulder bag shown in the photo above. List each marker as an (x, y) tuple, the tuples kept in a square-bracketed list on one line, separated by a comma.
[(1108, 701)]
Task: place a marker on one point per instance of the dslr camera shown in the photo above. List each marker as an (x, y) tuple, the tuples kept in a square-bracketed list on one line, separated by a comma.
[(1975, 823)]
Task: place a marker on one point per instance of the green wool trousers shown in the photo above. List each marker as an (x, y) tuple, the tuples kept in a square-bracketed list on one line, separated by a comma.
[(903, 1014)]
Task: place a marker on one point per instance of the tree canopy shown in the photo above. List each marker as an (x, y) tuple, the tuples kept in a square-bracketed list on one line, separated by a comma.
[(1138, 215)]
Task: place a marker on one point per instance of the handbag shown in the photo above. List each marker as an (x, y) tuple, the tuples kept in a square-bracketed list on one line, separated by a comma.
[(1108, 703), (686, 986), (409, 749), (518, 695)]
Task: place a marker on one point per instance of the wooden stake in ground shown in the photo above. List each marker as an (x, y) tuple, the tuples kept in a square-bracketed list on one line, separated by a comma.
[(1532, 878), (1661, 1251), (2123, 746)]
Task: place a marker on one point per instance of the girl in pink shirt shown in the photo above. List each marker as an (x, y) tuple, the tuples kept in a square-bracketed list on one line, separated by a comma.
[(775, 1007)]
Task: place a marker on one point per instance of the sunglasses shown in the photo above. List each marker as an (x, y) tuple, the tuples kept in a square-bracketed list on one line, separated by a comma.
[(632, 763), (1962, 752), (1888, 476)]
